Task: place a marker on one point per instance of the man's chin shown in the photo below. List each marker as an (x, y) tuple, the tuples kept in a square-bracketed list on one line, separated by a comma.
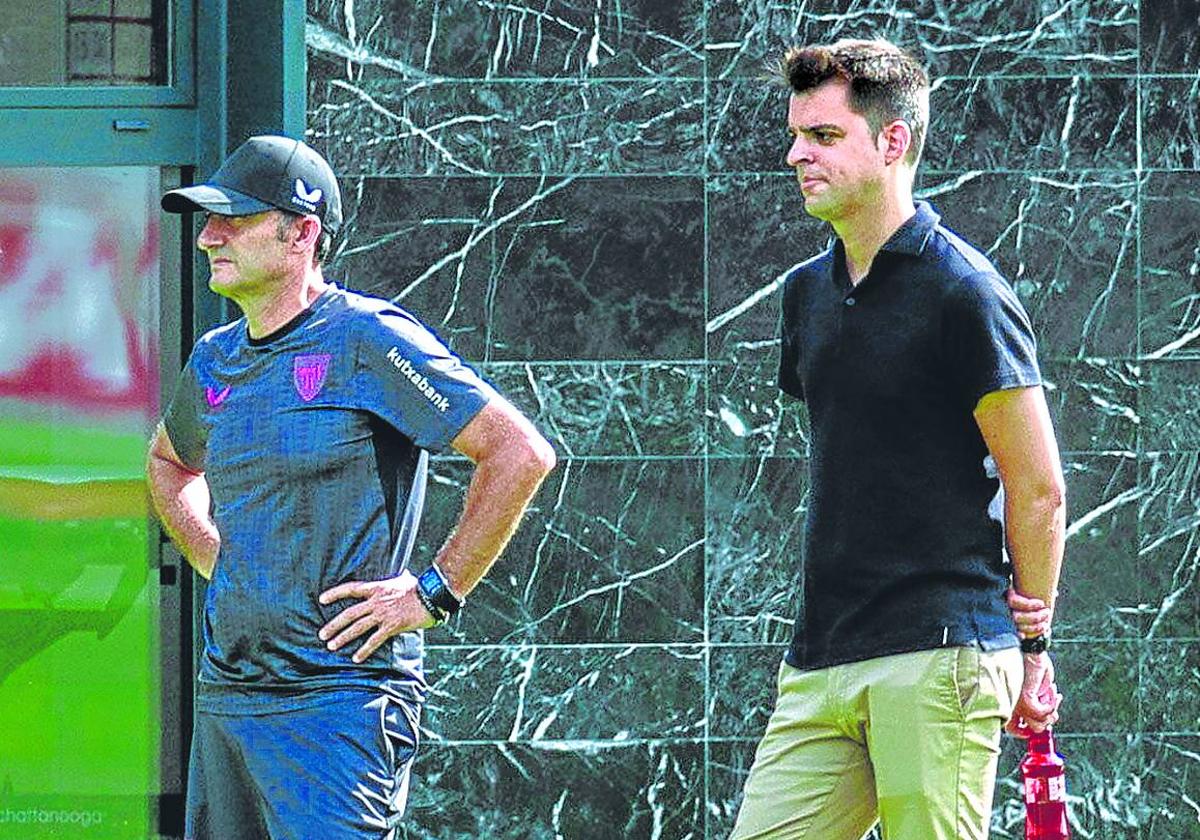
[(222, 284), (818, 209)]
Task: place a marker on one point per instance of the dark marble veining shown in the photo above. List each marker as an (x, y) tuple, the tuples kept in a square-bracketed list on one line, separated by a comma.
[(477, 128), (1170, 674), (613, 551), (747, 415), (515, 39), (1170, 307), (1171, 404), (1169, 543), (610, 409), (1172, 137), (589, 200), (1103, 678), (1101, 594), (757, 231), (591, 789), (756, 512), (1170, 37), (603, 269), (980, 38), (424, 243), (1171, 776), (1094, 403), (496, 266), (1041, 124), (742, 689), (551, 696)]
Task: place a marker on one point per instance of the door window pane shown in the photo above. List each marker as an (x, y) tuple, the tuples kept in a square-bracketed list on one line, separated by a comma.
[(79, 608), (84, 42)]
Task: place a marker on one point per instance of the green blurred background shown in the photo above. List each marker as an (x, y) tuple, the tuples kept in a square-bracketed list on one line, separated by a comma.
[(79, 607)]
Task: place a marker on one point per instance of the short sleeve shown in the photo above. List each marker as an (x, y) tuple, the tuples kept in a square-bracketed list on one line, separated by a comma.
[(183, 419), (789, 344), (411, 380), (989, 340)]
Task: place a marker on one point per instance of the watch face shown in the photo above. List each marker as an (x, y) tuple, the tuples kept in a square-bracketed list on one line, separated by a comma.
[(434, 588), (429, 585)]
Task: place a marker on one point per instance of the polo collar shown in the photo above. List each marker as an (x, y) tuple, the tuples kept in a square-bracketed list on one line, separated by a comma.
[(912, 236)]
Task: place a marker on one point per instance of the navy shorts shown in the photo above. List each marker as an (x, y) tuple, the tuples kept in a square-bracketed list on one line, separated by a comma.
[(336, 770)]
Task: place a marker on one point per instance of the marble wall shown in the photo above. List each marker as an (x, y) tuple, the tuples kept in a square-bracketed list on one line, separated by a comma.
[(588, 198)]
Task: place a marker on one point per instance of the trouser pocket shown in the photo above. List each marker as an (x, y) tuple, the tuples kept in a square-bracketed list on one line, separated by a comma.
[(987, 681)]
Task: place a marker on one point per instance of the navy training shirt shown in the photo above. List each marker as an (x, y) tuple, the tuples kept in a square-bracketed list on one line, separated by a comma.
[(314, 443), (900, 551)]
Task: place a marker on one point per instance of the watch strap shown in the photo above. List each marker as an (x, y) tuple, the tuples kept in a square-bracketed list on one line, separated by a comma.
[(433, 586), (1035, 644)]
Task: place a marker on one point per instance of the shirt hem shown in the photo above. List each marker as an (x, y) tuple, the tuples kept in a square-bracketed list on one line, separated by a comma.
[(1001, 641), (229, 699)]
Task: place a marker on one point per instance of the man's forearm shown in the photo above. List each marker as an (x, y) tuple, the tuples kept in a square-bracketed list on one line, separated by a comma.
[(1016, 427), (182, 500), (499, 492), (1035, 531)]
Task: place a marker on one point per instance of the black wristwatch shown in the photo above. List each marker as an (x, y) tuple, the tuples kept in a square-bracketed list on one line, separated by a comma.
[(434, 593), (439, 617), (1035, 644)]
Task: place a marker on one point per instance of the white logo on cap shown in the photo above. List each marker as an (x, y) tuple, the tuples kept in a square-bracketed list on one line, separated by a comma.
[(306, 199)]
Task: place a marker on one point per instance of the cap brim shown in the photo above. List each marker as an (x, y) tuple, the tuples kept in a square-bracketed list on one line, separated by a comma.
[(213, 199)]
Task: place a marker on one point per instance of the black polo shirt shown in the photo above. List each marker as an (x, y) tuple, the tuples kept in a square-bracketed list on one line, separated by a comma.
[(900, 552)]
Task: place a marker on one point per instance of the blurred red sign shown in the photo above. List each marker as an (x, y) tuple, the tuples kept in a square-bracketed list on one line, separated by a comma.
[(79, 269)]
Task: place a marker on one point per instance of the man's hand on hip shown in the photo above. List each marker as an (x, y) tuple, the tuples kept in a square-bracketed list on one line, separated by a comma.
[(387, 608)]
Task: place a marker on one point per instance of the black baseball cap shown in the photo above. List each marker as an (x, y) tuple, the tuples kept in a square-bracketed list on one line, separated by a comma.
[(266, 172)]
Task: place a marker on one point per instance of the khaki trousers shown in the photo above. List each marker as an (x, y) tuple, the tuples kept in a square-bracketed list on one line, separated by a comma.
[(910, 740)]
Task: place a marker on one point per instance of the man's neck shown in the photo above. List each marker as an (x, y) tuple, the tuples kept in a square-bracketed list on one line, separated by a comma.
[(865, 233), (266, 314)]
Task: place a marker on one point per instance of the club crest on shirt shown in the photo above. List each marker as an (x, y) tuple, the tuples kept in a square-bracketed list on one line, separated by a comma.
[(308, 374)]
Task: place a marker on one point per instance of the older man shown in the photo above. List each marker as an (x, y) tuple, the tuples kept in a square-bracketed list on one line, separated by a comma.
[(290, 468)]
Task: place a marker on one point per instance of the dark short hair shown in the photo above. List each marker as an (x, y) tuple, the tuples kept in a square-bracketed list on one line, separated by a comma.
[(886, 82), (324, 246)]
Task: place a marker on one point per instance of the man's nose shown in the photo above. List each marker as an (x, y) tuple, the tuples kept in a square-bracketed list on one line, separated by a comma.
[(799, 153), (209, 236)]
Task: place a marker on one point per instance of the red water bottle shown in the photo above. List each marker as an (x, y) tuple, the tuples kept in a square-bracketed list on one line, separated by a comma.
[(1045, 789)]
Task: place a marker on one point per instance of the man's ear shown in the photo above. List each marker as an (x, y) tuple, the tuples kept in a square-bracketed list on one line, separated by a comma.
[(308, 232), (898, 138)]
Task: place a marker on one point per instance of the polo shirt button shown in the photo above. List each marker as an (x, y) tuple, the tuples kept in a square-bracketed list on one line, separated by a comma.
[(849, 301)]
